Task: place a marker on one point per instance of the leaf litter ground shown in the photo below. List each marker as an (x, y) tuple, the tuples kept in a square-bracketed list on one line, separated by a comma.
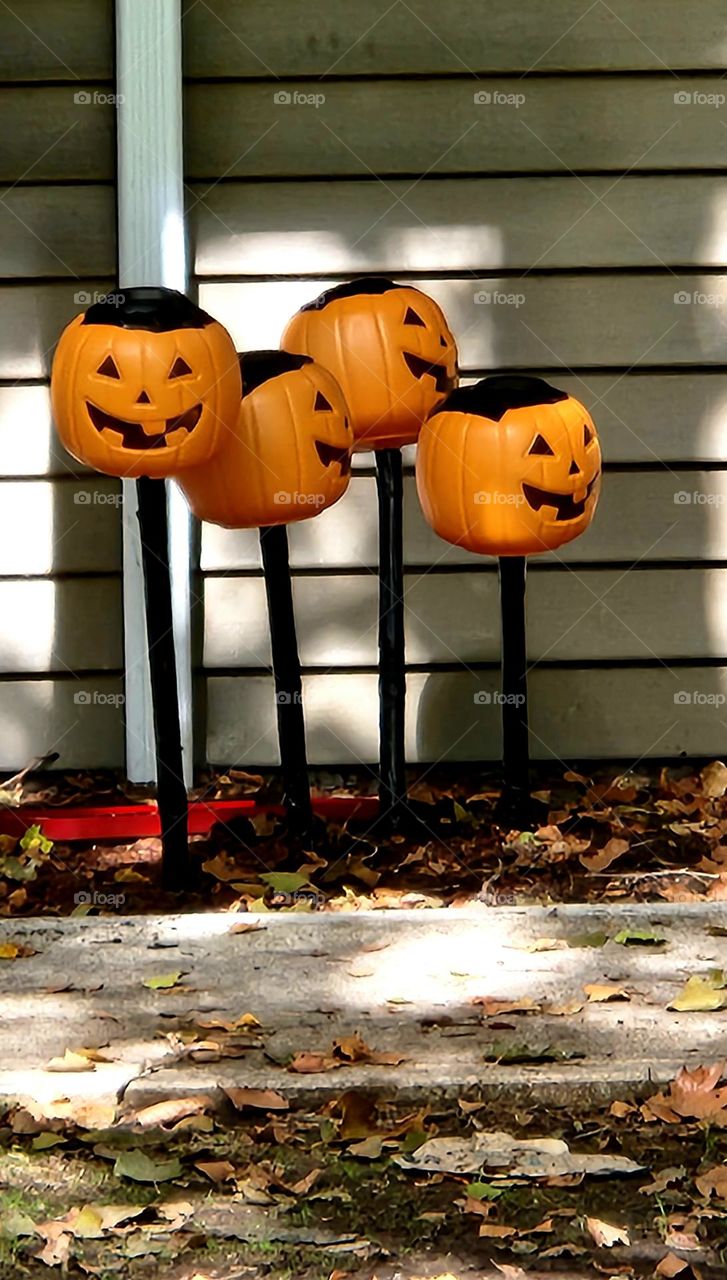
[(338, 1191)]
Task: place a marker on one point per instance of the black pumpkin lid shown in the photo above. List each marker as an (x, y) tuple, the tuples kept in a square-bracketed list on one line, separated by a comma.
[(493, 397), (352, 289), (156, 310), (257, 367)]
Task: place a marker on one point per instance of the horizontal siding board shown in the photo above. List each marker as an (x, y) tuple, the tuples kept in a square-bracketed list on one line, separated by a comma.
[(32, 318), (592, 615), (45, 40), (570, 320), (638, 519), (481, 224), (624, 713), (375, 37), (57, 231), (47, 136), (70, 625), (40, 716), (49, 527), (29, 445), (435, 126)]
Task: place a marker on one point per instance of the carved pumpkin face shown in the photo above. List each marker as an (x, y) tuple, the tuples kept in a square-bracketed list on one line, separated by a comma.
[(389, 347), (509, 467), (287, 458), (146, 387)]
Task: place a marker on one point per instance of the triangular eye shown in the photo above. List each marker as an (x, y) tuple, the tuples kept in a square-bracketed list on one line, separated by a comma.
[(540, 445), (411, 317), (108, 369), (321, 403), (180, 368), (587, 433)]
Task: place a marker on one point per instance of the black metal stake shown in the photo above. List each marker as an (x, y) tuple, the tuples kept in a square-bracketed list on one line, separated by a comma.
[(392, 659), (514, 692), (288, 683), (171, 791)]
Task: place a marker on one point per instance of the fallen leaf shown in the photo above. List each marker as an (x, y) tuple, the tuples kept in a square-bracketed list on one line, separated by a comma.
[(563, 1010), (528, 1157), (603, 992), (15, 951), (162, 1114), (671, 1266), (257, 1099), (622, 1109), (663, 1180), (701, 994), (491, 1006), (216, 1170), (70, 1062), (606, 1236), (599, 861), (501, 1233), (140, 1167), (163, 981), (714, 779), (692, 1095), (638, 938), (713, 1182)]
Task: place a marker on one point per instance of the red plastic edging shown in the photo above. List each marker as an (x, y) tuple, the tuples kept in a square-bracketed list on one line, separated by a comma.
[(135, 821)]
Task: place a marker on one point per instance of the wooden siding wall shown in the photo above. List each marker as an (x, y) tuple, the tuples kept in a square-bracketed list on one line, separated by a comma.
[(60, 596), (598, 195)]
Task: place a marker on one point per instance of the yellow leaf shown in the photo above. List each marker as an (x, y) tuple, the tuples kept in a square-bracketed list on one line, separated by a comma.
[(701, 994), (602, 992), (163, 981)]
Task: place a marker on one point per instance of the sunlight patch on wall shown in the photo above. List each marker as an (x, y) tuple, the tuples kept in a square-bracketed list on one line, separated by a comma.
[(27, 529), (256, 314)]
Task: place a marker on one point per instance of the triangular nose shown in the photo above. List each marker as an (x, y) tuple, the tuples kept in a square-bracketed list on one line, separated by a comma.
[(143, 398), (574, 469)]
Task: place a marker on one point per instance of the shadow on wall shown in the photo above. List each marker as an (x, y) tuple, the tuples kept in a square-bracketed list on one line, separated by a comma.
[(638, 587)]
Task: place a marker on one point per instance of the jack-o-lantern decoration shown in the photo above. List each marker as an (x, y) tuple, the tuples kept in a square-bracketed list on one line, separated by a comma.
[(509, 467), (389, 347), (288, 456), (144, 384)]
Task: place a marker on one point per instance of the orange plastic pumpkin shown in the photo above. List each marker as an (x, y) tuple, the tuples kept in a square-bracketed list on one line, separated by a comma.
[(509, 467), (144, 384), (287, 458), (389, 347)]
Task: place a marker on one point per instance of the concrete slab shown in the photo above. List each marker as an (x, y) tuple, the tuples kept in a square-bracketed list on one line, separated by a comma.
[(404, 980)]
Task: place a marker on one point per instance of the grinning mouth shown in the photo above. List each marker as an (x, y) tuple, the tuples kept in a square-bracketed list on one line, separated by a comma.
[(329, 453), (133, 434), (564, 503), (420, 367)]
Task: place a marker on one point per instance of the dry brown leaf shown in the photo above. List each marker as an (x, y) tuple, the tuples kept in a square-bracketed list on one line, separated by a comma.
[(693, 1095), (622, 1109), (671, 1266), (216, 1170), (161, 1114), (500, 1233), (257, 1099), (354, 1049), (599, 861), (491, 1006), (606, 1236), (603, 992), (714, 779), (713, 1182), (563, 1010), (244, 927)]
